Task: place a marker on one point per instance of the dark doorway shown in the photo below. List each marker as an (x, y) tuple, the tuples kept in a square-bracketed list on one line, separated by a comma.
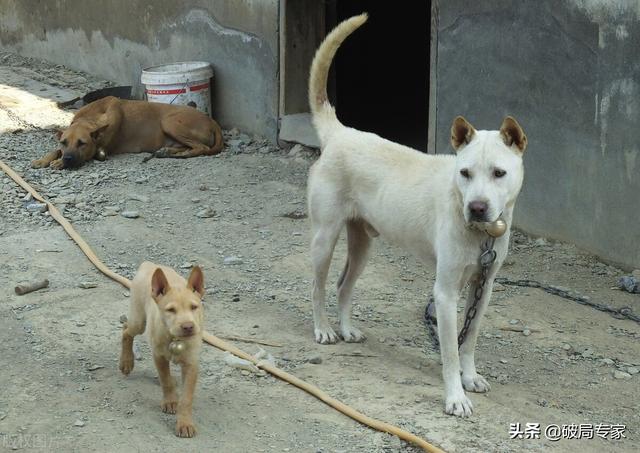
[(381, 76)]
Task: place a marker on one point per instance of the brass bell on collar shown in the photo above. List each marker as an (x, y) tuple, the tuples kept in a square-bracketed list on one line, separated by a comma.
[(496, 229), (101, 155), (176, 347)]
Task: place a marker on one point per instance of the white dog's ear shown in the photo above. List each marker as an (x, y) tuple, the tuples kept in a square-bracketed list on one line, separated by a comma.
[(159, 284), (461, 132), (512, 134)]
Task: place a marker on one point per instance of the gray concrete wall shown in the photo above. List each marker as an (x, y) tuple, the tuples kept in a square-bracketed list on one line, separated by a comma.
[(569, 71), (115, 39)]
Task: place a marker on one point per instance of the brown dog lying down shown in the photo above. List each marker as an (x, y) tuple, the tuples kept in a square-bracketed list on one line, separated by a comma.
[(170, 309), (112, 126)]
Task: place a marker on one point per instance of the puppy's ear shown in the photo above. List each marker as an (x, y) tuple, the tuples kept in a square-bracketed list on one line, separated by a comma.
[(196, 281), (97, 133), (159, 284), (512, 134), (461, 132)]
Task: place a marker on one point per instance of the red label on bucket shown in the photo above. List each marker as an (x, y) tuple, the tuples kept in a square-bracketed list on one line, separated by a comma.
[(177, 91), (199, 87)]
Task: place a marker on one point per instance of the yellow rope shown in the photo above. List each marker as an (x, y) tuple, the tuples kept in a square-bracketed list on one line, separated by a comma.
[(221, 344)]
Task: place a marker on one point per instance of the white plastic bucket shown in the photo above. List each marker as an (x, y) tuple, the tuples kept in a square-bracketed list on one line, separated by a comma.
[(180, 83)]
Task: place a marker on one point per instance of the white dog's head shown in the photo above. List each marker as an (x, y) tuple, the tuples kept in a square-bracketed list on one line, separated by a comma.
[(489, 168)]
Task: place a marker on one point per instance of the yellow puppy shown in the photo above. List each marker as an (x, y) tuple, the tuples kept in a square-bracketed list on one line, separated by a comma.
[(171, 307)]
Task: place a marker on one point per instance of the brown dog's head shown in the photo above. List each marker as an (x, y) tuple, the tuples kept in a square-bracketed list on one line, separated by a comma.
[(79, 143), (180, 307)]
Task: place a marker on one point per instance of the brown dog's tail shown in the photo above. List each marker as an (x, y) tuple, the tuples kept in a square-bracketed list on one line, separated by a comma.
[(324, 115), (218, 141)]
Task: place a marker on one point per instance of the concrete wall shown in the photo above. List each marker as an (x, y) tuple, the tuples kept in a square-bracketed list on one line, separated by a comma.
[(569, 71), (115, 39)]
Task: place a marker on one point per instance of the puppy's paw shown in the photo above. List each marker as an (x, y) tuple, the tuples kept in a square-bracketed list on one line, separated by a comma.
[(458, 405), (40, 163), (352, 335), (126, 364), (326, 335), (185, 428), (169, 407), (475, 383), (57, 164)]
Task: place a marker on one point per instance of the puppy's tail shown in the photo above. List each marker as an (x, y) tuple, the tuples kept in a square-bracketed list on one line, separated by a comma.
[(324, 116)]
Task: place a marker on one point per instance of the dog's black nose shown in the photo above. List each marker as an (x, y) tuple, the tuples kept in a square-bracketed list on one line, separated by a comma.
[(187, 328), (68, 160), (478, 210)]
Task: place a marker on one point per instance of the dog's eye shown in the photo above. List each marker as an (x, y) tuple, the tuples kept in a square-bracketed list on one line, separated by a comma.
[(465, 173), (194, 307), (171, 310), (64, 142), (499, 173), (81, 143)]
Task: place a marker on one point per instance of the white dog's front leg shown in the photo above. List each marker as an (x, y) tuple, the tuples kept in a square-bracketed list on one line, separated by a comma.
[(456, 402), (471, 380)]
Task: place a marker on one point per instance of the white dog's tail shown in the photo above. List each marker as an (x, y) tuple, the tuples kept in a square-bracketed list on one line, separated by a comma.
[(324, 116)]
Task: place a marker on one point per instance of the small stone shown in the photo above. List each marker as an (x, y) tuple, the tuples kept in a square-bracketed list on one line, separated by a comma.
[(296, 150), (607, 361), (633, 370), (186, 266), (141, 180), (232, 261), (206, 213), (203, 187), (139, 197), (109, 213), (27, 198), (526, 332), (513, 322), (587, 353), (566, 347), (130, 214), (87, 285), (36, 207), (78, 423), (245, 373), (621, 375), (95, 367), (503, 361), (80, 323), (540, 242), (195, 200), (316, 360)]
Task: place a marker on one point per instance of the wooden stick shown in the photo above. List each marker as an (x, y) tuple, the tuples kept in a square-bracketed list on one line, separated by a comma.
[(21, 290), (250, 340), (518, 329)]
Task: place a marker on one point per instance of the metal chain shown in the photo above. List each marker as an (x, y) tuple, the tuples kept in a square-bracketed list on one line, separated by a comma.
[(486, 260), (618, 313)]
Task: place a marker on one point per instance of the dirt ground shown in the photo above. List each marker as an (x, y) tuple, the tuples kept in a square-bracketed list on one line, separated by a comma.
[(61, 388)]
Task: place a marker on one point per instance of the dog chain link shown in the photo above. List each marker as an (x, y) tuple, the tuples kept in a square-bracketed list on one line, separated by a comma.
[(618, 313), (486, 260)]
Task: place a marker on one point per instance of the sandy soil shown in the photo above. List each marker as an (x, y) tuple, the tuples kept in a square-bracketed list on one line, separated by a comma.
[(62, 390)]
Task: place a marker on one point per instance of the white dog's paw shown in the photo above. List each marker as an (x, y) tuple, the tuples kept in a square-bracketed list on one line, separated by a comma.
[(458, 405), (475, 383), (352, 335), (326, 335)]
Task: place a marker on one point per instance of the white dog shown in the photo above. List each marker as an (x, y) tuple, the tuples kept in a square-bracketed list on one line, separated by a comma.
[(423, 203)]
